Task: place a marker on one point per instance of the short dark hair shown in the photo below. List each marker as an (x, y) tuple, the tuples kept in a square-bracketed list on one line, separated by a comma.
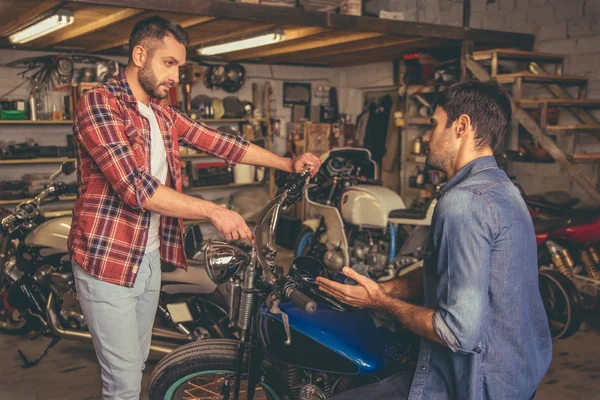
[(156, 28), (486, 103)]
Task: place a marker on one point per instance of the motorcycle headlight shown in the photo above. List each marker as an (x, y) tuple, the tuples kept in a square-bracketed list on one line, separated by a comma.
[(223, 260)]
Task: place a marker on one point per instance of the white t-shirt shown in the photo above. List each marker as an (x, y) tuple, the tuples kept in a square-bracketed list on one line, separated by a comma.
[(158, 168)]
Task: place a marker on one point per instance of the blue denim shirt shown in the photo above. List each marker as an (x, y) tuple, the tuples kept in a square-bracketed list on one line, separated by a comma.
[(481, 277)]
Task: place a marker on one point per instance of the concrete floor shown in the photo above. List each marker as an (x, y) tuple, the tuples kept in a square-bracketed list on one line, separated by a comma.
[(70, 370)]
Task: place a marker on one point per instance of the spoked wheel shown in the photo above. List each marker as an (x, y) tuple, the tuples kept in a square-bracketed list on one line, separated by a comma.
[(214, 385), (562, 303), (203, 370)]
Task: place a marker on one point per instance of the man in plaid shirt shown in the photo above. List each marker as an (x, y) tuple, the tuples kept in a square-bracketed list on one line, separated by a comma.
[(128, 212)]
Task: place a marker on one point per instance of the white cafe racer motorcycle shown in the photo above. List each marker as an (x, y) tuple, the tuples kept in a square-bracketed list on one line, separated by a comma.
[(355, 221)]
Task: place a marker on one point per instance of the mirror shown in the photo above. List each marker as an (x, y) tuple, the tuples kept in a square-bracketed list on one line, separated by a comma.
[(223, 260), (307, 268), (67, 168)]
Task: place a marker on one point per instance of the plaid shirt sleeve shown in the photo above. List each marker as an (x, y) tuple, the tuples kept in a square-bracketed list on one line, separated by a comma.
[(202, 137), (101, 132)]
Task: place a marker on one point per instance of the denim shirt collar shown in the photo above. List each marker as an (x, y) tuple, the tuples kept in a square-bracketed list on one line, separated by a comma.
[(477, 165)]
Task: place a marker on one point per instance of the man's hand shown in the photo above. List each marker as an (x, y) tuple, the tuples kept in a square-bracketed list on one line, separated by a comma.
[(307, 160), (230, 224), (365, 294)]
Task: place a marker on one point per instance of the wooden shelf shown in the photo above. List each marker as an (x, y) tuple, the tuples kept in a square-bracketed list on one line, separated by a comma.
[(228, 120), (513, 54), (586, 156), (535, 103), (17, 201), (418, 159), (28, 122), (528, 77), (574, 127), (418, 121), (189, 191), (42, 160)]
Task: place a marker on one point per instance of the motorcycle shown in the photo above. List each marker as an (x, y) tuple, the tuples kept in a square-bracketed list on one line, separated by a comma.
[(562, 231), (570, 264), (294, 341), (360, 222), (37, 289)]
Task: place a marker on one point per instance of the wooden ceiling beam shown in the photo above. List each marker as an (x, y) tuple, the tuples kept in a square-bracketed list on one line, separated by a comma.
[(345, 48), (124, 40), (284, 15), (102, 23), (342, 37), (290, 35), (381, 55), (31, 16)]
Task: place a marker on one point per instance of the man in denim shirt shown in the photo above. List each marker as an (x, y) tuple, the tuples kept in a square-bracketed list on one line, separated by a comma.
[(485, 332)]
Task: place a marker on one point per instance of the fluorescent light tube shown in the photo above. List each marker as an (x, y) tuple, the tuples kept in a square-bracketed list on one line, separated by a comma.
[(257, 41), (47, 25)]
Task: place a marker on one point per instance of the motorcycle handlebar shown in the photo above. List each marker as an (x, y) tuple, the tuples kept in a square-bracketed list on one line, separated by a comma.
[(301, 300), (72, 188)]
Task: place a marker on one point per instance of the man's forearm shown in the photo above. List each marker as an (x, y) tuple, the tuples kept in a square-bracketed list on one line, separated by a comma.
[(417, 319), (256, 155), (171, 203), (405, 287)]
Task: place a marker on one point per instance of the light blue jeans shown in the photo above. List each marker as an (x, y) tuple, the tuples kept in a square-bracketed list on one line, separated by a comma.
[(120, 320)]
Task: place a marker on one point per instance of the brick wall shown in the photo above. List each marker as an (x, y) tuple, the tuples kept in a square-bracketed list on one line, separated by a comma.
[(569, 27)]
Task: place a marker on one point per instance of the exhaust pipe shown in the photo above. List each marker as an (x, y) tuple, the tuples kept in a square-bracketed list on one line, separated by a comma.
[(66, 333), (168, 334)]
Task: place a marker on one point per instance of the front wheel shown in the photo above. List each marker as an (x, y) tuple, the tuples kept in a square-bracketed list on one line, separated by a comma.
[(203, 370), (562, 303)]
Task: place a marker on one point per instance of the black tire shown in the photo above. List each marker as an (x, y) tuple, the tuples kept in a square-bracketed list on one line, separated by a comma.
[(299, 241), (195, 358), (15, 327), (562, 303), (211, 315), (11, 321)]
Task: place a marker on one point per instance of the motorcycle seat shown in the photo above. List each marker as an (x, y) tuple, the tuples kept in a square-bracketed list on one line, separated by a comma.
[(549, 225), (555, 198), (545, 225), (410, 213)]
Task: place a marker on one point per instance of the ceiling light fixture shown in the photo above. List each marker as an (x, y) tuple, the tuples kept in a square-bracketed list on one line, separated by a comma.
[(257, 41), (48, 25)]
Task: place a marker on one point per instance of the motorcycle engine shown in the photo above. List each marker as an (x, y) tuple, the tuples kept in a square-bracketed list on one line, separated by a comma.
[(334, 260), (373, 252), (70, 311)]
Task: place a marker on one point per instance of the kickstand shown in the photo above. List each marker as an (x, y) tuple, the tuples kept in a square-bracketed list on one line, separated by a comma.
[(29, 364)]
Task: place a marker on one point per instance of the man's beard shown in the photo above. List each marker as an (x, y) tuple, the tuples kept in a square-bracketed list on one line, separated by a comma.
[(150, 83), (443, 158)]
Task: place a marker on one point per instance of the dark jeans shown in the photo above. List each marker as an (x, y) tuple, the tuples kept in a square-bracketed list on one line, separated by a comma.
[(395, 387)]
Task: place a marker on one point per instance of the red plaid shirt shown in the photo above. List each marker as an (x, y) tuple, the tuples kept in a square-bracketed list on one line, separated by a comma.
[(110, 225)]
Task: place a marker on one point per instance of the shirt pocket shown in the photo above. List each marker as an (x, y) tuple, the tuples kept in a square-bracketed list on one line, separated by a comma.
[(134, 136)]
